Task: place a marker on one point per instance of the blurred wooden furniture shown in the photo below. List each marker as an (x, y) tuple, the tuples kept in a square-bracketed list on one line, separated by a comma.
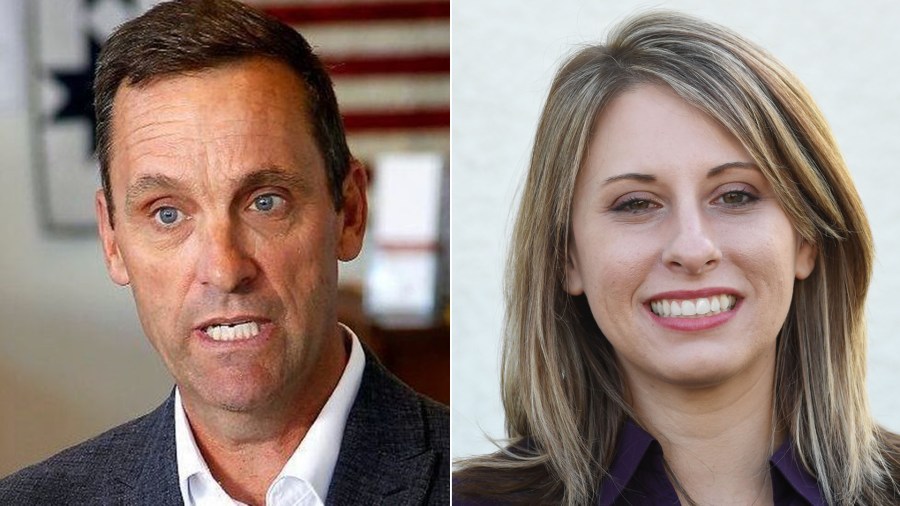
[(417, 351)]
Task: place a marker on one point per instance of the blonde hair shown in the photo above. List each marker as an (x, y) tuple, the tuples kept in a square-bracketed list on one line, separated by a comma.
[(562, 389)]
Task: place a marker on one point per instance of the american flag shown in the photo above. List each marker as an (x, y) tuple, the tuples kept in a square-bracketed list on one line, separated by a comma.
[(390, 61)]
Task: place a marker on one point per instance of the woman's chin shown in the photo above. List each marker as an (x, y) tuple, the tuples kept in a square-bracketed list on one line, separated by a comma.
[(703, 369)]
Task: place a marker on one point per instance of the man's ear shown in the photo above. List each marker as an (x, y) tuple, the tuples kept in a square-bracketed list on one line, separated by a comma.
[(114, 263), (354, 213)]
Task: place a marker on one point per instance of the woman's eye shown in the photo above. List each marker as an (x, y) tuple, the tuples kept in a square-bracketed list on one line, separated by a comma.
[(737, 198), (266, 203), (168, 216), (635, 205)]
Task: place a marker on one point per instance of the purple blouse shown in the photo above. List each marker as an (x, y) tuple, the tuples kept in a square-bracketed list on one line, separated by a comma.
[(638, 477)]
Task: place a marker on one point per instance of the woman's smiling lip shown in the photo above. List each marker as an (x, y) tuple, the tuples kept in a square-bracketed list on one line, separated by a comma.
[(694, 323)]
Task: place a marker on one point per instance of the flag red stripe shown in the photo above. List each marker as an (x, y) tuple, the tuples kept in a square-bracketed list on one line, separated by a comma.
[(354, 12), (420, 118), (415, 64)]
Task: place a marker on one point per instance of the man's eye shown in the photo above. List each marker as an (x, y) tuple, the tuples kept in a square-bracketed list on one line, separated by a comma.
[(168, 216), (267, 203)]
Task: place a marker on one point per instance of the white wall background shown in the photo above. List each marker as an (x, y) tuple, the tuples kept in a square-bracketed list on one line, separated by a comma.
[(504, 55)]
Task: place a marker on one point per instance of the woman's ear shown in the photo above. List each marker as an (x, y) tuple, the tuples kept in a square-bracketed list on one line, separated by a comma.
[(574, 282), (806, 259)]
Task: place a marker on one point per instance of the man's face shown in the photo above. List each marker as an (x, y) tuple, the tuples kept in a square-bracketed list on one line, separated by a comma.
[(227, 232)]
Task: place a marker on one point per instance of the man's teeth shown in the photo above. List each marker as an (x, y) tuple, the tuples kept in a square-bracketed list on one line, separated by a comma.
[(234, 332), (693, 307)]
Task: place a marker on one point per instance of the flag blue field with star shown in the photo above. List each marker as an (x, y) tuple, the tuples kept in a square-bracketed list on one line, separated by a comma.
[(66, 37)]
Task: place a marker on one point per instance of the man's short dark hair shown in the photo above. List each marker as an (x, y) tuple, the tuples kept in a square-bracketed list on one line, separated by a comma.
[(185, 36)]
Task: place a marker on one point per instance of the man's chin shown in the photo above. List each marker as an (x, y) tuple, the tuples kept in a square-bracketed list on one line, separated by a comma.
[(242, 397), (241, 404)]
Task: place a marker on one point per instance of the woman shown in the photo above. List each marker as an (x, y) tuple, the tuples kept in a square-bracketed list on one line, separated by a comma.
[(686, 286)]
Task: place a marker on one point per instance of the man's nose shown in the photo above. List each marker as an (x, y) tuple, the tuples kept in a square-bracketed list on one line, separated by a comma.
[(692, 247), (224, 261)]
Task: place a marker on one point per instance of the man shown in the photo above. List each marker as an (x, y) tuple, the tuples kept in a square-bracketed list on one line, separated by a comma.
[(228, 197)]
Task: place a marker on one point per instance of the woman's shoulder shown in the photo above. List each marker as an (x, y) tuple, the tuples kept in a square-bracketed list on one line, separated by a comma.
[(514, 475), (501, 487), (469, 497), (890, 444)]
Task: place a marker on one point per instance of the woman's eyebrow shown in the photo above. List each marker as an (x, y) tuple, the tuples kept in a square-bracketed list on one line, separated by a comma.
[(634, 176), (718, 169), (649, 178)]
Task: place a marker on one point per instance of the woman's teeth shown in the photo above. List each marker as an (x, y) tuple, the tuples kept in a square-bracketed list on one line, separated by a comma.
[(235, 332), (688, 308)]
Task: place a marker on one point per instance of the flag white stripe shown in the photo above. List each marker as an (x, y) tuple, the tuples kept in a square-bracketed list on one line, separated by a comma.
[(391, 92), (378, 38), (366, 146)]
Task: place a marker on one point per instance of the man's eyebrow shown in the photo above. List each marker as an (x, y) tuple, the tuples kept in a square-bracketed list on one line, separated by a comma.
[(148, 183), (274, 176), (649, 178)]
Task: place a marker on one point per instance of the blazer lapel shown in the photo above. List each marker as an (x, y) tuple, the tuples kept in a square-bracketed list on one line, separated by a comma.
[(149, 475), (384, 457)]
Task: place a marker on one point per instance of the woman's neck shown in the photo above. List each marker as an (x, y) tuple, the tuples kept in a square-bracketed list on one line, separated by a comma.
[(716, 440)]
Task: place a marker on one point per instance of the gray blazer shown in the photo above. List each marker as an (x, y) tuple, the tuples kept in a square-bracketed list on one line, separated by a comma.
[(396, 450)]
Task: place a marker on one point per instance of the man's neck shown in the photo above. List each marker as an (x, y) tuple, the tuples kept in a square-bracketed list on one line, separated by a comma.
[(245, 451), (716, 441)]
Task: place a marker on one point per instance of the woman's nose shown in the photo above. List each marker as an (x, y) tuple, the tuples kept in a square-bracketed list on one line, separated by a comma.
[(692, 247)]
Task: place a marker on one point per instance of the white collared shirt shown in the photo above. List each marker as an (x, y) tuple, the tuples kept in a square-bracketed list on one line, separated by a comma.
[(306, 476)]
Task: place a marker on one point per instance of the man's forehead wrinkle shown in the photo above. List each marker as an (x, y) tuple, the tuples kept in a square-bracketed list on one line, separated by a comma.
[(156, 124), (160, 148), (136, 134), (176, 141), (149, 103)]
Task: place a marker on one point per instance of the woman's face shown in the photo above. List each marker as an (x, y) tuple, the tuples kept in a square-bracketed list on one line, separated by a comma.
[(684, 253)]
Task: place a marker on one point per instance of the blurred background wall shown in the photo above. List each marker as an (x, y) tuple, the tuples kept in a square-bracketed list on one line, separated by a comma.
[(505, 54), (73, 358)]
